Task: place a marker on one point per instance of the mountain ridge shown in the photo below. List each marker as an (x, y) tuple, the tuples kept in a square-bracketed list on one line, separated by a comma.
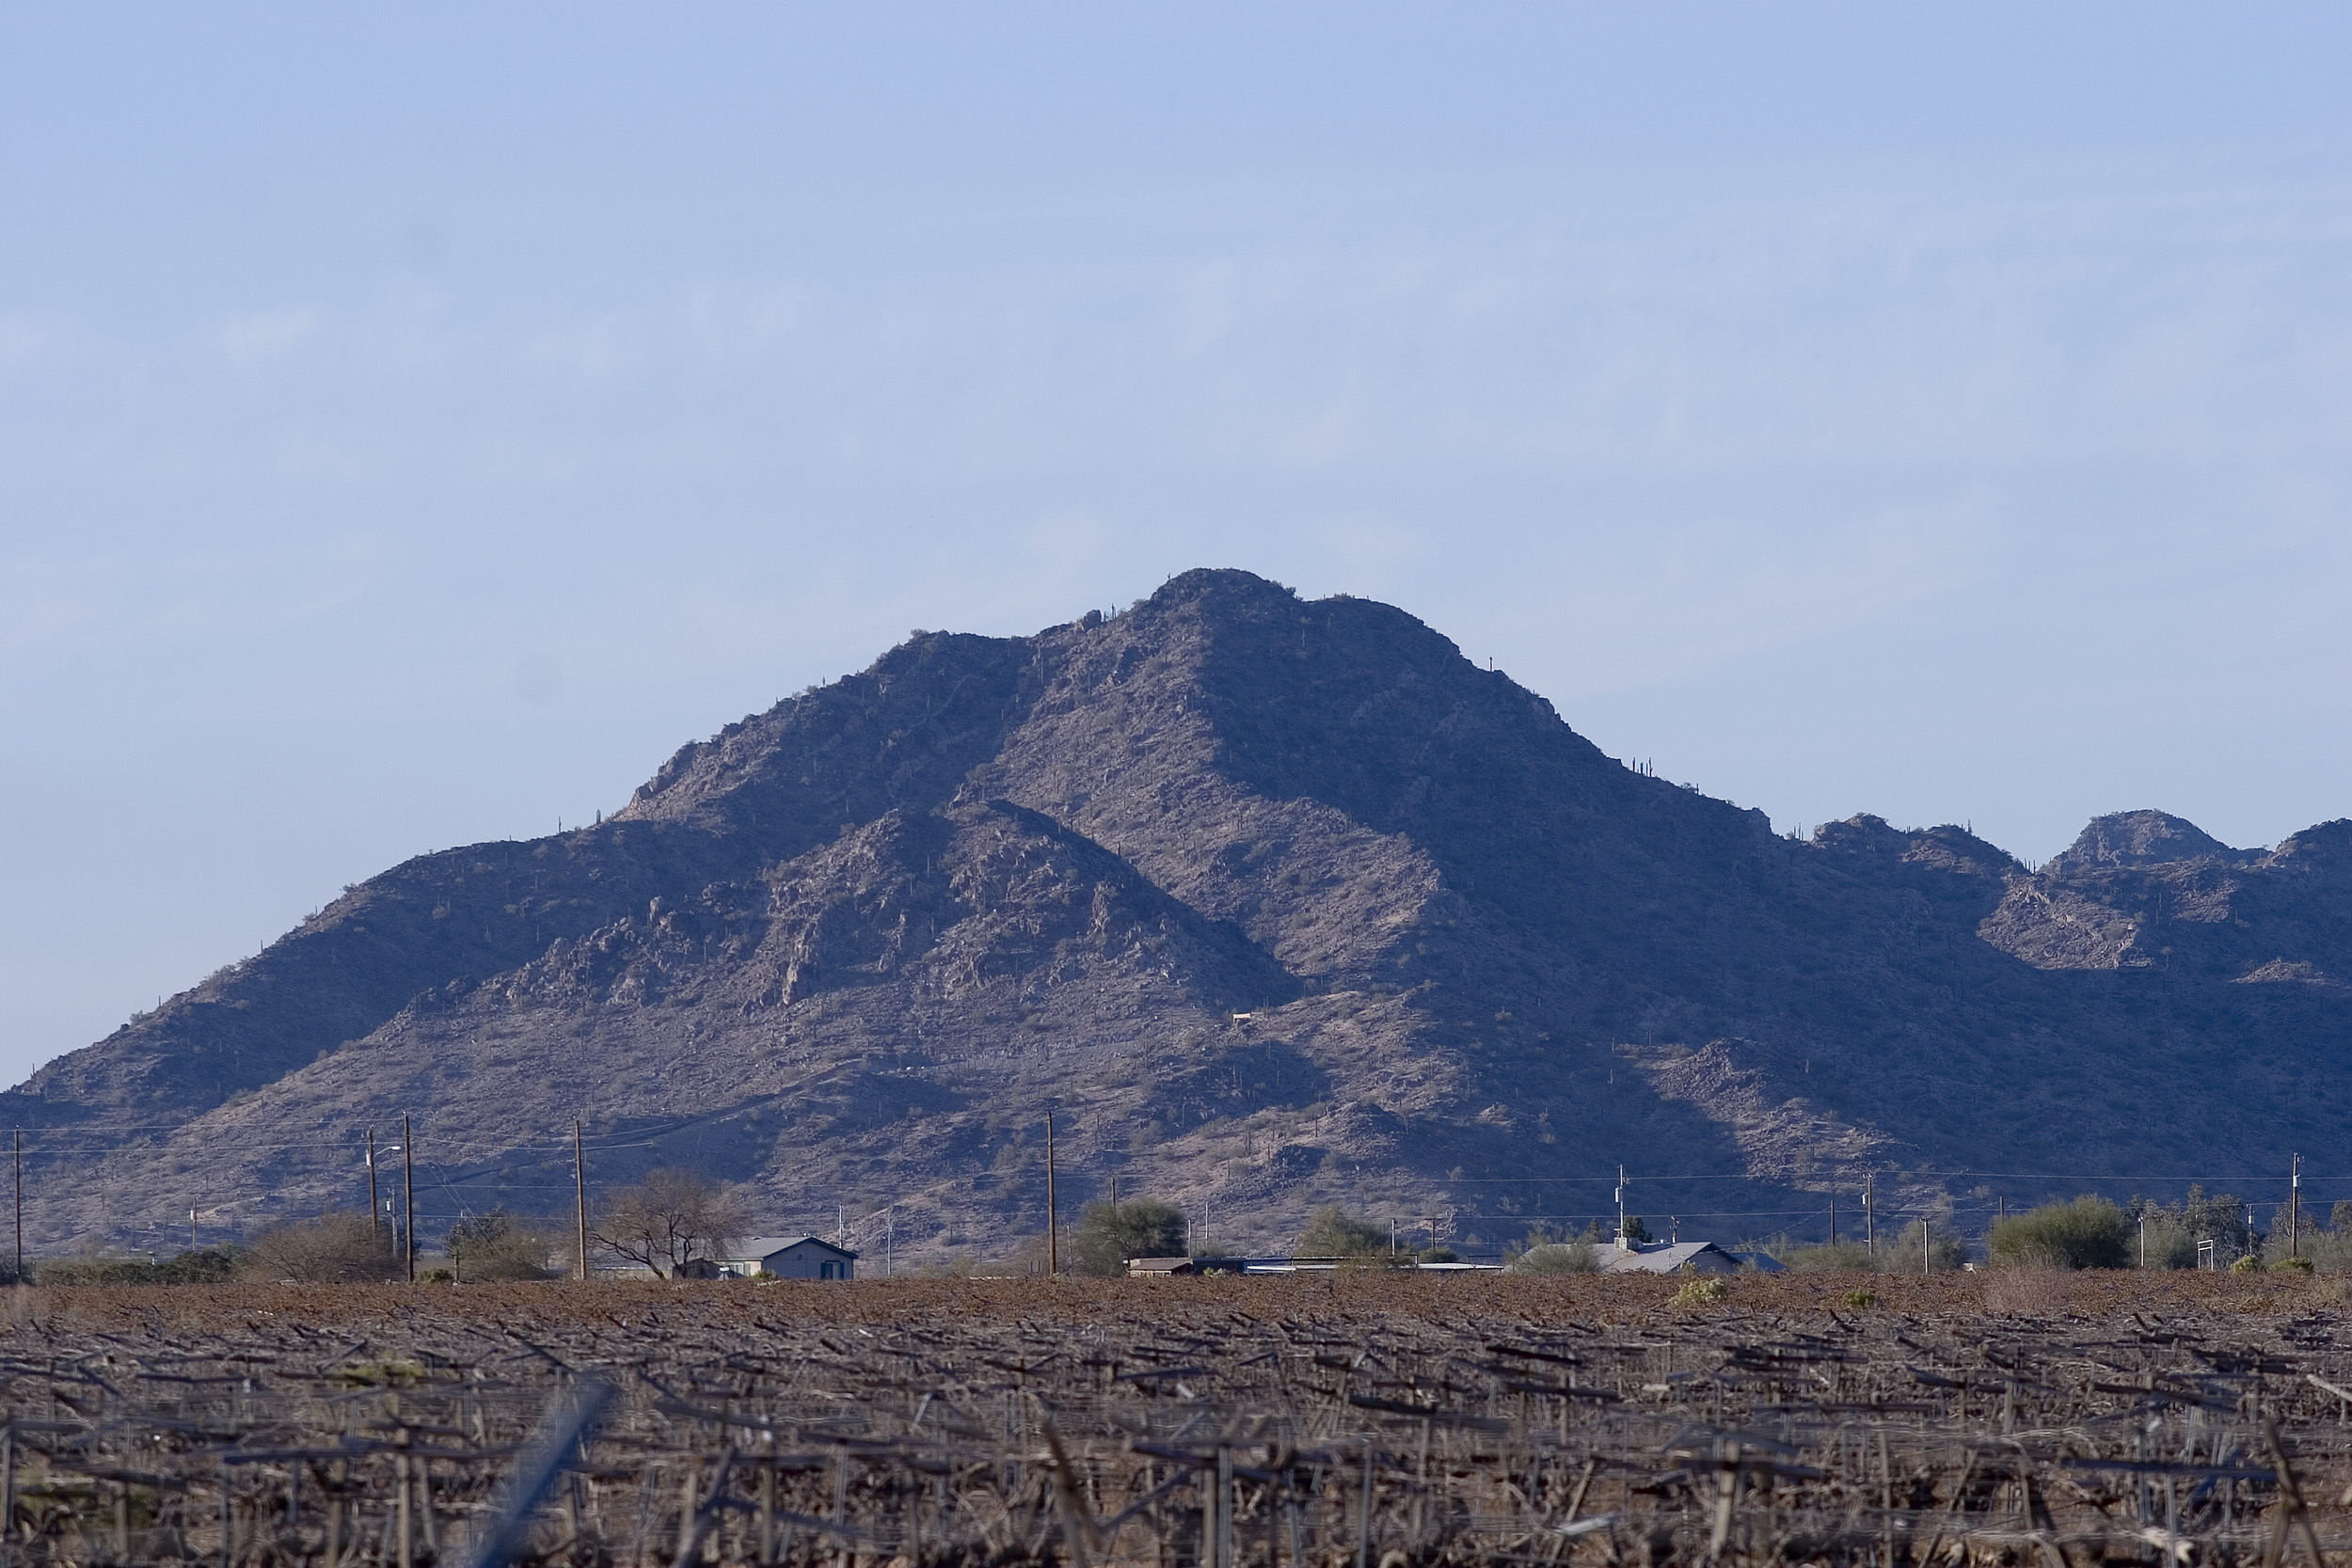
[(850, 949)]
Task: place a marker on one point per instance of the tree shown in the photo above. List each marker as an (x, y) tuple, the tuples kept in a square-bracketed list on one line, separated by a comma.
[(498, 1246), (1140, 1227), (1634, 1233), (1333, 1232), (339, 1247), (2089, 1233), (670, 1219)]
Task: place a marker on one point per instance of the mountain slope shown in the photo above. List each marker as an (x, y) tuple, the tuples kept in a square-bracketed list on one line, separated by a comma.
[(851, 951)]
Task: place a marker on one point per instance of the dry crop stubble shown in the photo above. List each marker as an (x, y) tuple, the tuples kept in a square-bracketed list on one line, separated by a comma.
[(1191, 1420)]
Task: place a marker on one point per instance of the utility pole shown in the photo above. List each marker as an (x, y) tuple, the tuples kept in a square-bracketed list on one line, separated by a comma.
[(1871, 1212), (408, 1186), (1926, 1228), (580, 1195), (2295, 1208), (1053, 1236), (376, 1212), (19, 1206), (1833, 1217), (1621, 1236)]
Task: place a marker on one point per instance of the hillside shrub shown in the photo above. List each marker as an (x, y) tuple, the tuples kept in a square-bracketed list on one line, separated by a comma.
[(2089, 1233)]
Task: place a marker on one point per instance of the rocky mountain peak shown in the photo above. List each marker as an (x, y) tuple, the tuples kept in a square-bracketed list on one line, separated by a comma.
[(1273, 903), (2132, 838)]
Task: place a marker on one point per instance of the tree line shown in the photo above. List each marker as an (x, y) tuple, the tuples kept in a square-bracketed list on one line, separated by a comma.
[(675, 1219)]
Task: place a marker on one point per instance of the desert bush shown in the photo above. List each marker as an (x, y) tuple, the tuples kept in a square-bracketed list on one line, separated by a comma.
[(2291, 1266), (1333, 1232), (1140, 1227), (337, 1247), (210, 1265), (2087, 1233), (1698, 1292), (1824, 1258), (1559, 1257), (2331, 1251), (2169, 1244), (499, 1246), (1944, 1249)]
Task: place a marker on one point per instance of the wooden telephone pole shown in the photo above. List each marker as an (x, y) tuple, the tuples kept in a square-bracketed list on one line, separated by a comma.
[(580, 1196), (1053, 1238), (2295, 1208), (408, 1186)]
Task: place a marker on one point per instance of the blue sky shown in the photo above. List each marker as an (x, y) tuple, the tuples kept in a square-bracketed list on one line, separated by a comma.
[(416, 422)]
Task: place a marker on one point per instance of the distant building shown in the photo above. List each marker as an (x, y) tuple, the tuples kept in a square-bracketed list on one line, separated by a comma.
[(1158, 1268), (1675, 1257), (790, 1257)]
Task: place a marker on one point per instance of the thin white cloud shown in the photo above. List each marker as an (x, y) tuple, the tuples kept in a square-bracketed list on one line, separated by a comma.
[(257, 339)]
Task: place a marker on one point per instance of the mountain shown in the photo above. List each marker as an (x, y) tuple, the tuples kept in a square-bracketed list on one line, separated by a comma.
[(1271, 903)]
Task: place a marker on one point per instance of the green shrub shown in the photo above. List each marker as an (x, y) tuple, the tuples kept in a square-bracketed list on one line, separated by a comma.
[(1559, 1257), (210, 1265), (1140, 1227), (1698, 1292), (1825, 1257), (2089, 1233), (1859, 1299), (2291, 1266), (1333, 1232), (2247, 1264), (499, 1246), (1945, 1250)]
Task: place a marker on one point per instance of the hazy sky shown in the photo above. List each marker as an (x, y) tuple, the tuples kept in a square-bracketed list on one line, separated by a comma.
[(417, 421)]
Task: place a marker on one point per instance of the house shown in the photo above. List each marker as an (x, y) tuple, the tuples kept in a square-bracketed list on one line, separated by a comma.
[(1677, 1257), (790, 1257), (1158, 1268)]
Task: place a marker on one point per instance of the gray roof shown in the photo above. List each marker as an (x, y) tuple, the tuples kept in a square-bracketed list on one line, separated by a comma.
[(1667, 1256), (768, 1246)]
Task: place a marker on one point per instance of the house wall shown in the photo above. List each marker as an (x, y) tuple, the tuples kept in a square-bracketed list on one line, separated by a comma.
[(809, 1262)]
